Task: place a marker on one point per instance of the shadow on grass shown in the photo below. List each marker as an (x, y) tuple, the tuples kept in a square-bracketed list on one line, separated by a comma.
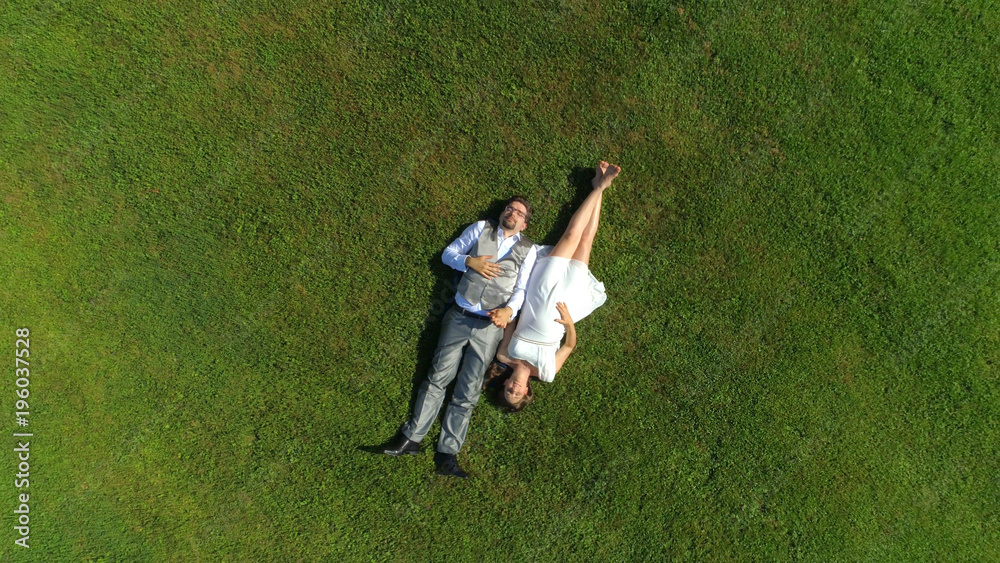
[(579, 178)]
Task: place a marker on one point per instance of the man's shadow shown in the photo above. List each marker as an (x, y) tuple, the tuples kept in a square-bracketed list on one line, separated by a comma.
[(442, 296)]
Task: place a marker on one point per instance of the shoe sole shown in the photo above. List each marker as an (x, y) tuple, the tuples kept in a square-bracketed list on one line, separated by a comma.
[(395, 454)]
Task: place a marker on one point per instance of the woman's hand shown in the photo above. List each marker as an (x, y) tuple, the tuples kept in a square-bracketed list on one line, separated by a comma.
[(564, 319)]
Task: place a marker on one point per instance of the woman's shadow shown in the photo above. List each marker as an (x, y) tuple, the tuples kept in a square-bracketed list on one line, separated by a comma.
[(442, 296)]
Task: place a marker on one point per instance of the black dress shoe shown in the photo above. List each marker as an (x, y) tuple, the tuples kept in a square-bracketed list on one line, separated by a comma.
[(402, 446), (447, 464)]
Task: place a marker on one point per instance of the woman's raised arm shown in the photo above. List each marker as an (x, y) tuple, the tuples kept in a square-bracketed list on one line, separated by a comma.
[(570, 343)]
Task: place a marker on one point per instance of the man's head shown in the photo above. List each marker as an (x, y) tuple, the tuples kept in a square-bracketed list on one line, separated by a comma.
[(515, 215)]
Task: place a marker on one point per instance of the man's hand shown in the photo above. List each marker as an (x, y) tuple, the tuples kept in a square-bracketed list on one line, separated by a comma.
[(481, 264), (501, 316)]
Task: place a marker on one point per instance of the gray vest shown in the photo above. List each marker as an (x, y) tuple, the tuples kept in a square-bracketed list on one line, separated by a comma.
[(493, 293)]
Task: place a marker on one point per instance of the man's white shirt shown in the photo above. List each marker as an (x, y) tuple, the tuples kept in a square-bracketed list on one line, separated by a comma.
[(456, 253)]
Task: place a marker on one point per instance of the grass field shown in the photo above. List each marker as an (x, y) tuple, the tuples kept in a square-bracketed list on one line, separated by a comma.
[(222, 224)]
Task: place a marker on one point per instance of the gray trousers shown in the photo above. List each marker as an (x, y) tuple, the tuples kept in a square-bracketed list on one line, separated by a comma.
[(471, 343)]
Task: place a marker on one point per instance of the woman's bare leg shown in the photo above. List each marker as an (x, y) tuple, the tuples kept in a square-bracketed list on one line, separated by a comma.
[(582, 252), (584, 216)]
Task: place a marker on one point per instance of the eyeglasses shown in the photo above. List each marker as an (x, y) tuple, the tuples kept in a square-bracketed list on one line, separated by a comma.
[(516, 211)]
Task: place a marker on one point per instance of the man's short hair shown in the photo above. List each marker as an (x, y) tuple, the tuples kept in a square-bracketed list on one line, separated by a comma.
[(527, 206)]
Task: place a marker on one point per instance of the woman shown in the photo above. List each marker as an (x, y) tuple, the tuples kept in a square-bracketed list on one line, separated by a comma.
[(561, 283)]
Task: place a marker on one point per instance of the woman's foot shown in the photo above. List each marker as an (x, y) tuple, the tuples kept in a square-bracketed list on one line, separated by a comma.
[(610, 173), (599, 171), (604, 174)]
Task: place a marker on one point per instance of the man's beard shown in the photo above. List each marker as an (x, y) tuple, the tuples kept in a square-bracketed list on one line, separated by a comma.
[(509, 222)]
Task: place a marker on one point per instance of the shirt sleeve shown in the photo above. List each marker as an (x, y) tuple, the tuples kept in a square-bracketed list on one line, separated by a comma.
[(517, 298), (455, 253)]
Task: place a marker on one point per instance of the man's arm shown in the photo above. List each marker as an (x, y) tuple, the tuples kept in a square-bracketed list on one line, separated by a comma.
[(517, 297), (456, 253)]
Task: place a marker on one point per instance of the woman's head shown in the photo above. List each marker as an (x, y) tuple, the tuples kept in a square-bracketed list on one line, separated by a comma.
[(515, 394)]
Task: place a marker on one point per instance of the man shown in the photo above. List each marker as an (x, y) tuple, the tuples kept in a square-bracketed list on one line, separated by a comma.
[(496, 260)]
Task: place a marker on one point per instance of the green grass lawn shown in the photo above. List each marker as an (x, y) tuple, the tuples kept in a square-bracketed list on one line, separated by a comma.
[(222, 224)]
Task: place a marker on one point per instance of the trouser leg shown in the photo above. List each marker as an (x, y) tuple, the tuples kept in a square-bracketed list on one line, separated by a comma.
[(455, 332), (478, 354)]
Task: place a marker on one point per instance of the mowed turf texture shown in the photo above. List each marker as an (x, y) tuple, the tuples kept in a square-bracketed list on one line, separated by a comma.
[(222, 223)]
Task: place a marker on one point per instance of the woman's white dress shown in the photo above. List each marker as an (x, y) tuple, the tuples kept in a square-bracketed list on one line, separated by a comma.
[(553, 279)]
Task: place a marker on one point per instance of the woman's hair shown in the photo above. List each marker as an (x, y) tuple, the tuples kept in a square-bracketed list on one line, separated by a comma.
[(523, 201), (523, 402)]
